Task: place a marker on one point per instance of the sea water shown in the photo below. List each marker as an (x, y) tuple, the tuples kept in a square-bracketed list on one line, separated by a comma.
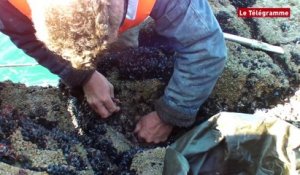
[(30, 75)]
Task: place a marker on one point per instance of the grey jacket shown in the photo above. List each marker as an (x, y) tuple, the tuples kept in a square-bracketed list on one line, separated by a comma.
[(193, 31)]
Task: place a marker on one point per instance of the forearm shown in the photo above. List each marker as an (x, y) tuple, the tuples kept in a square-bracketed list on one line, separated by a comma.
[(22, 34), (195, 74), (200, 57)]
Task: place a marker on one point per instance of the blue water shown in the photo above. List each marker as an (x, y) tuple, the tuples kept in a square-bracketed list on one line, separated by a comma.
[(31, 76)]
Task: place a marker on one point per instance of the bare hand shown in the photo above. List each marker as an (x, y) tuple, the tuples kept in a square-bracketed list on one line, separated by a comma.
[(151, 128), (99, 93)]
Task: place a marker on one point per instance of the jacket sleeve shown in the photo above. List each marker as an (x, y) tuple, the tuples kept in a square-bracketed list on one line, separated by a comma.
[(192, 30), (22, 33)]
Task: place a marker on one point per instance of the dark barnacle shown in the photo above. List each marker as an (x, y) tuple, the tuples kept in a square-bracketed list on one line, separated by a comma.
[(98, 160), (125, 159), (76, 161), (3, 149), (60, 170), (22, 172), (7, 155), (34, 133)]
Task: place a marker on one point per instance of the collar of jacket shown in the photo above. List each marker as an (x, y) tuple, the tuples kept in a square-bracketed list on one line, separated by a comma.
[(125, 11), (136, 12)]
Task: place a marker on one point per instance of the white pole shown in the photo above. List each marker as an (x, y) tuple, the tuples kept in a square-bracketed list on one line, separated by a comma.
[(254, 43)]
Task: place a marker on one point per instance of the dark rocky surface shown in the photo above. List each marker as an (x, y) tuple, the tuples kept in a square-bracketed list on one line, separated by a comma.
[(45, 130)]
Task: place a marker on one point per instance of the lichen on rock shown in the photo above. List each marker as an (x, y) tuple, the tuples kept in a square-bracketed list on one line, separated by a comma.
[(149, 162)]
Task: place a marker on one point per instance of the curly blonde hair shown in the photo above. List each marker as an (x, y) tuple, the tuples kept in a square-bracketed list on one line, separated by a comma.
[(75, 29)]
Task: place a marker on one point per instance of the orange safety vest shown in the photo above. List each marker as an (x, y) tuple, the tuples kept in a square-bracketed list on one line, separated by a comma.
[(22, 6), (143, 10)]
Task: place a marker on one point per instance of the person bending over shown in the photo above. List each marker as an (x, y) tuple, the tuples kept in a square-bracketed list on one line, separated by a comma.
[(65, 36)]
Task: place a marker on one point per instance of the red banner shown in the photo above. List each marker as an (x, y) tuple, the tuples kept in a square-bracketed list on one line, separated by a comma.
[(264, 12)]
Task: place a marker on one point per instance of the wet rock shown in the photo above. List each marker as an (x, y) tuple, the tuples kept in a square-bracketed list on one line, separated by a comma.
[(290, 62), (254, 74), (288, 111), (250, 80), (37, 102), (226, 15), (38, 158), (99, 149), (6, 168), (279, 30), (149, 162), (245, 3), (118, 140), (138, 63)]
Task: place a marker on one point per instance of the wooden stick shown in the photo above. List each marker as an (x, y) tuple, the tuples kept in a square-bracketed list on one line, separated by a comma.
[(18, 65), (254, 43)]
